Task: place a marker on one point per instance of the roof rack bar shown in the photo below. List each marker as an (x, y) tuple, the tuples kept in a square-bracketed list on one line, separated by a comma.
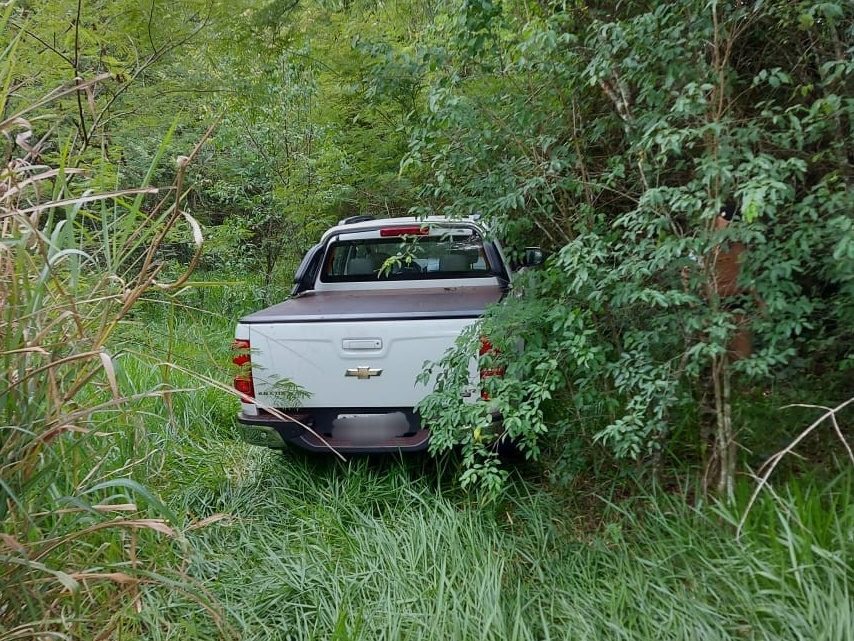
[(355, 219)]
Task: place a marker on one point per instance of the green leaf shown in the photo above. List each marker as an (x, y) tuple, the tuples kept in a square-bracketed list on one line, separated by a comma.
[(806, 21), (135, 488)]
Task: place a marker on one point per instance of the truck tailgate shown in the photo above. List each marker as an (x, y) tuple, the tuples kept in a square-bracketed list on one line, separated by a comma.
[(358, 349)]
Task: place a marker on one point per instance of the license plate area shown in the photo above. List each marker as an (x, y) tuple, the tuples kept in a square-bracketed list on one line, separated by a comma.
[(370, 427)]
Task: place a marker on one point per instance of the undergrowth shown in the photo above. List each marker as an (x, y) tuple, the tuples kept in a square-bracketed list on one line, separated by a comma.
[(129, 510), (294, 546)]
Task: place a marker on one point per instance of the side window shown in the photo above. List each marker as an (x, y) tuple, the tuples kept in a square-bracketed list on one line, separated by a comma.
[(308, 269)]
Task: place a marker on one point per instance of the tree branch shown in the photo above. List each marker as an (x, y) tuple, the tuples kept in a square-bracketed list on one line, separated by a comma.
[(77, 78), (46, 44), (772, 462), (153, 58)]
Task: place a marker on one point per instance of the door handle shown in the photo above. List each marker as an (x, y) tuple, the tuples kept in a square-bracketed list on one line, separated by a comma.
[(362, 343)]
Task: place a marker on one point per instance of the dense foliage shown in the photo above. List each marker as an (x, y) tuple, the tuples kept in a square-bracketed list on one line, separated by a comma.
[(615, 134), (660, 336)]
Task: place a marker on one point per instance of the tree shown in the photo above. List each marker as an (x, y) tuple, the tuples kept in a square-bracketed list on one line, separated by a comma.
[(616, 135)]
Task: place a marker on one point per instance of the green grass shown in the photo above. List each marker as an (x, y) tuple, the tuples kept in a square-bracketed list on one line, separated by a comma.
[(269, 546), (299, 547)]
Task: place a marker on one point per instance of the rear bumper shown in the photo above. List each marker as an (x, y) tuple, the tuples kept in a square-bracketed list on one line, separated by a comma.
[(268, 431)]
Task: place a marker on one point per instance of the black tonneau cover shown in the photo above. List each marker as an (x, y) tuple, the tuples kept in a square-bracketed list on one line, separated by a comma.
[(382, 304)]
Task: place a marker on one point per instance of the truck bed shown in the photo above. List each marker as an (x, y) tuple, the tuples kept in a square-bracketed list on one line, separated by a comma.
[(388, 304)]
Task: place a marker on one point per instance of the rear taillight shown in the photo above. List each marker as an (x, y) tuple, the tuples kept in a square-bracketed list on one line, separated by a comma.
[(414, 230), (244, 385), (242, 346), (487, 349), (243, 381)]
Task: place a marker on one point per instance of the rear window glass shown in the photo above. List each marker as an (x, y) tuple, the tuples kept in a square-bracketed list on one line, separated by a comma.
[(410, 258)]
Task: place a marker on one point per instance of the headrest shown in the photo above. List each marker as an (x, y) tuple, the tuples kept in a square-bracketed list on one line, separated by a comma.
[(454, 263), (360, 266)]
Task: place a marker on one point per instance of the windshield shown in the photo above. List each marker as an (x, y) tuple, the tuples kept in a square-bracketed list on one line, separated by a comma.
[(410, 258)]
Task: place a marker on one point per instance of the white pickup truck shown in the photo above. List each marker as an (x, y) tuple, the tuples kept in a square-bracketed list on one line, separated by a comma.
[(335, 365)]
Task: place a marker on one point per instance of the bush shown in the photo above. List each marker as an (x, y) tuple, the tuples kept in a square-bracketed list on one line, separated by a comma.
[(630, 136)]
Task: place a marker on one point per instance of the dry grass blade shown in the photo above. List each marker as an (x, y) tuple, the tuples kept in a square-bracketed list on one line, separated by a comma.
[(82, 200), (157, 525), (47, 367), (32, 180), (770, 465), (110, 371), (198, 241), (115, 577), (210, 520), (12, 543), (52, 97), (117, 507), (68, 276), (26, 350), (29, 632), (272, 410), (67, 582), (832, 412)]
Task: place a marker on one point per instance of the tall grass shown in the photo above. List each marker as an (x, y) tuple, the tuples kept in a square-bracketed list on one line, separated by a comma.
[(317, 550), (301, 547), (81, 539)]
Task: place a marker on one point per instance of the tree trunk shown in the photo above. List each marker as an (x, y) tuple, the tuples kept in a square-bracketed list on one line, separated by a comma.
[(725, 448)]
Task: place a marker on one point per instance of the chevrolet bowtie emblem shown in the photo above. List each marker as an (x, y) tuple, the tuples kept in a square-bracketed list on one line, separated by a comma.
[(363, 373)]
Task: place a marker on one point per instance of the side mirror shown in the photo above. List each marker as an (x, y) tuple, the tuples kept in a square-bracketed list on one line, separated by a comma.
[(533, 256)]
